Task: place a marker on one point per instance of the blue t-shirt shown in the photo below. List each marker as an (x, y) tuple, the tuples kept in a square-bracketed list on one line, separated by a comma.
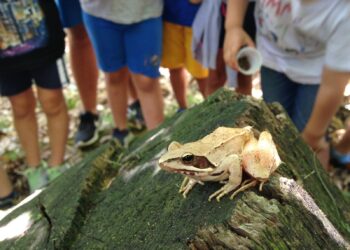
[(180, 12)]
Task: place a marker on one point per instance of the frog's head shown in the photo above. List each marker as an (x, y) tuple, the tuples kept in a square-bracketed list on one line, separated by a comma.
[(184, 159)]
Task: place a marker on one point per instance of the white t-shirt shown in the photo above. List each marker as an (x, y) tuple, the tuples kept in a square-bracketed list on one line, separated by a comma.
[(123, 11), (299, 37)]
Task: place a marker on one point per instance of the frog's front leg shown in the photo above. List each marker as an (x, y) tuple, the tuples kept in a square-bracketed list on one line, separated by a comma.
[(232, 164), (187, 184)]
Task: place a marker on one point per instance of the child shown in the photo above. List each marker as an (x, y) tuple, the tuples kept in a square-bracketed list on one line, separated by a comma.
[(84, 69), (177, 48), (208, 43), (306, 59), (31, 41), (116, 28)]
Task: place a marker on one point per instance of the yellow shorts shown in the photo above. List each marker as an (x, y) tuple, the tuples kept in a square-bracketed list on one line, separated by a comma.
[(177, 50)]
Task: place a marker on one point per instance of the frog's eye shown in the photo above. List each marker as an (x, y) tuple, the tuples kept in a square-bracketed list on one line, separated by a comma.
[(187, 158)]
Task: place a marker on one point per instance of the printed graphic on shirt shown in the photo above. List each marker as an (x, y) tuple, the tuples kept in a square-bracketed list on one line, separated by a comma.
[(275, 22), (22, 27)]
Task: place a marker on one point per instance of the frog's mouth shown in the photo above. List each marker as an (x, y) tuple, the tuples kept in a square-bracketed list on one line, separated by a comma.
[(187, 170)]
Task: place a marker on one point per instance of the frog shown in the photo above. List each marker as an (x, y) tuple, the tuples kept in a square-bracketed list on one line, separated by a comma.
[(223, 156)]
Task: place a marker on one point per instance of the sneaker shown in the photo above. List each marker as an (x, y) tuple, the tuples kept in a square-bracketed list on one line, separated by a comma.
[(54, 172), (87, 133), (8, 201), (36, 177), (121, 136), (135, 116), (339, 159)]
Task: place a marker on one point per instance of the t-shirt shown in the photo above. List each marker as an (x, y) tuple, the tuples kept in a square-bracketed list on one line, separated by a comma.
[(31, 34), (180, 12), (299, 37), (123, 11)]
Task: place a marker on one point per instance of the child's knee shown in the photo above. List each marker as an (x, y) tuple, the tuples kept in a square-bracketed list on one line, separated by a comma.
[(146, 84), (22, 107), (53, 104)]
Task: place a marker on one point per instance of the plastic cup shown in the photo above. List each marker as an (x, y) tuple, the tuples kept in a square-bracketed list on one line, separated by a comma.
[(249, 60)]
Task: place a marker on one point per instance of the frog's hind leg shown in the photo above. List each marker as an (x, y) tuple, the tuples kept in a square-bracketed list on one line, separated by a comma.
[(247, 184)]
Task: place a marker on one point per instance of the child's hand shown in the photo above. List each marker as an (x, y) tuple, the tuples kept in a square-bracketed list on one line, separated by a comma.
[(320, 146), (235, 39)]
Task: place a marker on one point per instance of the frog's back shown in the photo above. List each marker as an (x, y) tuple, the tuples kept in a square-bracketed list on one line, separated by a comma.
[(222, 134)]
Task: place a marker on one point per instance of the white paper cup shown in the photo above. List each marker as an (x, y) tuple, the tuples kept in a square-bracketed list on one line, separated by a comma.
[(249, 60)]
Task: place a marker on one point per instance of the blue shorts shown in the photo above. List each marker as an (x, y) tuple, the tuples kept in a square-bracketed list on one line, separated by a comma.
[(296, 98), (70, 12), (137, 46), (46, 77)]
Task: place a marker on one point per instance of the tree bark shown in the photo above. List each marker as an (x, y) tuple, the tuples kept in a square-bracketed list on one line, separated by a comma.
[(120, 199)]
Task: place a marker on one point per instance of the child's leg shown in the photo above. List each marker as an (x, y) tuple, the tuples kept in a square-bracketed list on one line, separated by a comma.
[(245, 84), (193, 66), (218, 76), (5, 184), (55, 109), (277, 87), (117, 89), (23, 108), (53, 104), (84, 66), (151, 99), (143, 61), (173, 58), (178, 80), (304, 104), (108, 41)]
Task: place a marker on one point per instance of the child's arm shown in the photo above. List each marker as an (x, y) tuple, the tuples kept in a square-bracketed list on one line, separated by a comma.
[(235, 37), (329, 98)]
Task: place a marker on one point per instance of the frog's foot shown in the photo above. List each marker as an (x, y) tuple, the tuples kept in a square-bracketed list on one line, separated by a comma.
[(245, 185), (187, 185), (223, 191)]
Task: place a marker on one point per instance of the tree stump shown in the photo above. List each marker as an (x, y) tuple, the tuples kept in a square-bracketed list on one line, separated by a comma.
[(120, 199)]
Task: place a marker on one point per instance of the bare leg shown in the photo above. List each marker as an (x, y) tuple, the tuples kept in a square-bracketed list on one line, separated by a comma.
[(84, 66), (132, 92), (5, 184), (244, 84), (178, 79), (55, 109), (202, 84), (217, 77), (117, 90), (23, 108), (150, 96)]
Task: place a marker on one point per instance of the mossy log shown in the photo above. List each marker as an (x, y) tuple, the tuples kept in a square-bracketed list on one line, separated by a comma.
[(120, 199)]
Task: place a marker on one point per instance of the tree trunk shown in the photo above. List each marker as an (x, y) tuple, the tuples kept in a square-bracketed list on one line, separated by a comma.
[(118, 199)]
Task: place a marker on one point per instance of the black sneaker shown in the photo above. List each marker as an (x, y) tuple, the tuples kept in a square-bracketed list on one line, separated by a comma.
[(120, 136), (135, 117), (87, 133), (8, 201)]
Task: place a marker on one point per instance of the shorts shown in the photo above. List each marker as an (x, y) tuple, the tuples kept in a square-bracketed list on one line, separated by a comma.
[(177, 50), (46, 77), (70, 12), (137, 46)]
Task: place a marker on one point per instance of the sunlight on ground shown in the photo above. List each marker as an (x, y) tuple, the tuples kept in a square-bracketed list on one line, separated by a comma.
[(17, 227)]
